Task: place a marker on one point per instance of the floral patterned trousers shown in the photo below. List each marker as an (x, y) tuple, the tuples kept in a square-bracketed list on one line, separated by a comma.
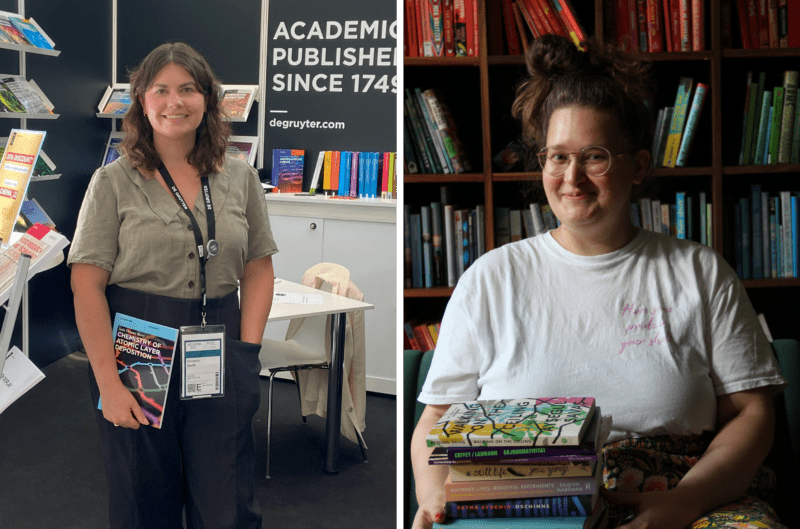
[(658, 463)]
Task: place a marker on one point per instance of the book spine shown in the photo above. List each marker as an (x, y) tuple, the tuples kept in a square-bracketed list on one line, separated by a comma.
[(553, 18), (419, 138), (415, 223), (655, 214), (459, 242), (436, 21), (747, 121), (465, 240), (487, 455), (410, 337), (766, 258), (698, 101), (747, 238), (675, 24), (678, 119), (763, 24), (685, 24), (439, 266), (759, 96), (703, 219), (680, 203), (469, 19), (755, 230), (354, 166), (460, 27), (362, 174), (790, 83), (475, 26), (775, 211), (775, 132), (772, 15), (794, 156), (411, 23), (654, 27), (528, 16), (668, 44), (449, 142), (641, 19), (621, 21), (763, 128), (578, 505), (520, 26), (773, 240), (432, 132), (409, 156), (384, 180), (786, 232), (449, 243), (535, 488), (427, 246), (752, 23), (336, 159), (646, 210), (698, 25), (783, 24), (726, 24), (794, 256), (407, 263), (422, 131), (480, 222), (738, 245), (447, 26), (510, 25), (744, 26)]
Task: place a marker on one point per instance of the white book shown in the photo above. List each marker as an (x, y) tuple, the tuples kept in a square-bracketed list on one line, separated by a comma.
[(538, 221), (480, 218), (450, 246), (515, 217), (656, 207), (43, 244), (19, 375)]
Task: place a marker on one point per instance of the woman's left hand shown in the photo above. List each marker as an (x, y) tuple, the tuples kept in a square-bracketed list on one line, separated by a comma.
[(654, 510)]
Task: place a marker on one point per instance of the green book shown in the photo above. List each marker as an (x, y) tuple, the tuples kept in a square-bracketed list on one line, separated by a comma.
[(755, 109), (777, 119), (790, 82), (678, 119), (763, 128)]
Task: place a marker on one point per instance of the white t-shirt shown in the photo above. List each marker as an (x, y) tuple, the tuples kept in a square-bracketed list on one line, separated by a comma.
[(654, 331)]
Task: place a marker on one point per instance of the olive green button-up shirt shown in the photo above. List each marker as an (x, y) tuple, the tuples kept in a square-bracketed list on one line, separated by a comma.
[(134, 228)]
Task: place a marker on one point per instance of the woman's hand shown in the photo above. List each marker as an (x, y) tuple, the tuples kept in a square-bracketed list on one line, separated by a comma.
[(120, 407), (431, 510), (654, 510)]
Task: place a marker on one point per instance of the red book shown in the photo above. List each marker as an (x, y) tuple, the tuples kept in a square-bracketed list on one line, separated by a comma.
[(655, 32), (475, 24), (510, 25), (552, 17), (449, 37), (523, 36), (641, 18), (772, 15), (410, 341), (744, 26), (633, 26), (675, 24), (539, 17), (470, 17), (622, 25), (763, 24), (530, 17), (685, 24), (460, 27), (698, 26), (752, 22), (573, 28), (494, 28), (667, 30), (418, 12), (385, 175), (411, 24), (793, 19), (423, 336)]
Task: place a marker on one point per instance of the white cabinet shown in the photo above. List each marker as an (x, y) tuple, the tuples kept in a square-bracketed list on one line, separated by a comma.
[(360, 235)]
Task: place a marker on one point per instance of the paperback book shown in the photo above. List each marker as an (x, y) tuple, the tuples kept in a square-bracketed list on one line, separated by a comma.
[(526, 422), (18, 376), (16, 168)]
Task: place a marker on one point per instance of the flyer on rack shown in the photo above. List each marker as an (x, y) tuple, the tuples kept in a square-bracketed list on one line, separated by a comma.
[(19, 159)]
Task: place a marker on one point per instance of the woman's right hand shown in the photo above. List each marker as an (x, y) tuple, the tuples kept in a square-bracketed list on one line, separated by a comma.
[(428, 513), (121, 408)]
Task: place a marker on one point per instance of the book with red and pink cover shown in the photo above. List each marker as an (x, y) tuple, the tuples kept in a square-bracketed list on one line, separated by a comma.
[(525, 422)]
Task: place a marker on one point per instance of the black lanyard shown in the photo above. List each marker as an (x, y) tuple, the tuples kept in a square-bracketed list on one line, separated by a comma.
[(212, 247)]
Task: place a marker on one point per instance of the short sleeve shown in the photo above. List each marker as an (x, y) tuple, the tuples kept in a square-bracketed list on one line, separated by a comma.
[(259, 235), (741, 356), (461, 350), (96, 235)]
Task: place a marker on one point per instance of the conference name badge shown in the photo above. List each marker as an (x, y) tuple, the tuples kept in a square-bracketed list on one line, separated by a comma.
[(203, 361)]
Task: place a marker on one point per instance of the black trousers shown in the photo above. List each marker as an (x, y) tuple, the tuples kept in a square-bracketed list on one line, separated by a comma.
[(203, 456)]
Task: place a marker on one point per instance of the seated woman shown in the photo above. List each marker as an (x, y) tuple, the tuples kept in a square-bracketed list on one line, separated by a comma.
[(659, 330)]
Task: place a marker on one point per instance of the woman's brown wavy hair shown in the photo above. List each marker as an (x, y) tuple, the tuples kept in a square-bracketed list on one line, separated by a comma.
[(208, 153), (601, 77)]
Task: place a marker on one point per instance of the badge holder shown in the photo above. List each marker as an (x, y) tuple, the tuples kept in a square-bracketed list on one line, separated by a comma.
[(203, 357)]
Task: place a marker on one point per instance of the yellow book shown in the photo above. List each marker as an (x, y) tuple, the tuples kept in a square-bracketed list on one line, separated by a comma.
[(678, 120), (16, 167), (326, 172)]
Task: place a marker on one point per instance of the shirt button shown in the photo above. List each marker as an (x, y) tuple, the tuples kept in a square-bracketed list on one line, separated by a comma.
[(191, 284), (189, 227), (191, 255)]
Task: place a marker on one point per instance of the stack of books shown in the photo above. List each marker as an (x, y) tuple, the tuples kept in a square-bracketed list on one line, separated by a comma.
[(535, 461)]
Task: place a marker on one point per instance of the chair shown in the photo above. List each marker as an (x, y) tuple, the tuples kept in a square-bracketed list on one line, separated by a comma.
[(307, 347), (415, 369)]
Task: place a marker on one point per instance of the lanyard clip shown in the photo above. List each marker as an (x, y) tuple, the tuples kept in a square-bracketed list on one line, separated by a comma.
[(203, 320)]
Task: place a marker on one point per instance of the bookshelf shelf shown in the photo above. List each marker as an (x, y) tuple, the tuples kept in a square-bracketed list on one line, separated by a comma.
[(29, 49), (485, 110), (20, 115)]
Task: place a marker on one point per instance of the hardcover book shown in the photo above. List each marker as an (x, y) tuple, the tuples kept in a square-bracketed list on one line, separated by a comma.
[(236, 101), (31, 32), (287, 170), (525, 422), (243, 147)]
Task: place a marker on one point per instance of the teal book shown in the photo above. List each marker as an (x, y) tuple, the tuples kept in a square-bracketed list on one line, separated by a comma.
[(678, 121), (763, 127), (680, 204), (699, 99), (31, 33)]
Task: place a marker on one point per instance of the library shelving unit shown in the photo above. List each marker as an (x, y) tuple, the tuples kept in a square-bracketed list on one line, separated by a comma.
[(480, 91)]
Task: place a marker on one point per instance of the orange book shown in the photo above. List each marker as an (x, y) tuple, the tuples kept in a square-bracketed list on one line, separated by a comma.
[(336, 157), (326, 171)]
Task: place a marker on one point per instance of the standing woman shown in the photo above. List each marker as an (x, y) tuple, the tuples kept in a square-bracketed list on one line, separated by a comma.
[(659, 330), (142, 248)]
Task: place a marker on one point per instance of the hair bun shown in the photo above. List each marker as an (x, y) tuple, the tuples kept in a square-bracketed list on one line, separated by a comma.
[(553, 56)]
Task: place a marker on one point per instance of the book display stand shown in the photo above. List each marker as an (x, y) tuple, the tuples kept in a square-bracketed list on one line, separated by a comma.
[(19, 293), (115, 101), (481, 91), (237, 100)]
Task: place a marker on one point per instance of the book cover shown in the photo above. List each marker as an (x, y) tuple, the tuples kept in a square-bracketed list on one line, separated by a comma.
[(8, 101), (577, 505), (236, 103), (33, 213), (571, 24), (287, 170), (42, 243), (678, 119), (31, 32), (447, 23), (118, 102), (524, 422), (112, 147), (790, 83), (144, 352), (243, 148), (513, 471), (18, 375), (20, 155), (699, 99), (27, 95), (11, 33)]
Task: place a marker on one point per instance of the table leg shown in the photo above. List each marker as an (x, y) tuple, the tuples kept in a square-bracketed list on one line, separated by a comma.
[(335, 377)]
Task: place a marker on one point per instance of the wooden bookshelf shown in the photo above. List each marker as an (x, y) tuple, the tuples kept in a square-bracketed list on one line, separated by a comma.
[(489, 128)]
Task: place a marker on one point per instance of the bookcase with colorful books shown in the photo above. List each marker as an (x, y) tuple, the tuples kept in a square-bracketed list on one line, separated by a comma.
[(479, 92)]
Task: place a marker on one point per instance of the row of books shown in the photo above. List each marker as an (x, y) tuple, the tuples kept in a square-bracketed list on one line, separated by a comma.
[(344, 173), (676, 125), (441, 242), (17, 30), (512, 225), (771, 121), (766, 234), (763, 23), (652, 26), (534, 460), (430, 136), (17, 95), (522, 18), (440, 28), (420, 336), (689, 217)]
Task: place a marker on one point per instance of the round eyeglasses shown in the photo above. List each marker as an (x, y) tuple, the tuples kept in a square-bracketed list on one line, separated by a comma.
[(594, 160)]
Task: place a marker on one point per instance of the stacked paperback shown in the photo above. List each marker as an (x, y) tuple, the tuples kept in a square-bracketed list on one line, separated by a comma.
[(535, 461)]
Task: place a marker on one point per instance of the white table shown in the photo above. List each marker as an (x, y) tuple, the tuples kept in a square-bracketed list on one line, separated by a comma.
[(338, 307)]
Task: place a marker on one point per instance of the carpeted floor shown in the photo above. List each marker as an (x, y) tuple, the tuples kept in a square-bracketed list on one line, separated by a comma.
[(51, 474)]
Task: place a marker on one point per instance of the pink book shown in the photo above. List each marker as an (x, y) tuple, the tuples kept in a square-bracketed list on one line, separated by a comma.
[(354, 175)]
